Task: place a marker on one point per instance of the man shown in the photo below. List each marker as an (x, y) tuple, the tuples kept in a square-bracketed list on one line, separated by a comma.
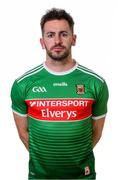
[(59, 107)]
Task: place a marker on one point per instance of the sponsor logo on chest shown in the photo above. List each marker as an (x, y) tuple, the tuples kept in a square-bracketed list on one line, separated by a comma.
[(60, 109)]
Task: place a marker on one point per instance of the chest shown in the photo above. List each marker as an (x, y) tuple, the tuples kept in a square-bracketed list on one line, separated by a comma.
[(59, 99)]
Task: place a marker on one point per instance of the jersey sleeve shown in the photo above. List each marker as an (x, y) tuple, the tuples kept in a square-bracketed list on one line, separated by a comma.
[(100, 105), (18, 100)]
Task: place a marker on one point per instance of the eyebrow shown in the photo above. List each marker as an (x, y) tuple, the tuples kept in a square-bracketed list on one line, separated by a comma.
[(58, 32)]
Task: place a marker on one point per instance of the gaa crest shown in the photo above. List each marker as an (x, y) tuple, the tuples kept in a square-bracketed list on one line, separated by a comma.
[(80, 89)]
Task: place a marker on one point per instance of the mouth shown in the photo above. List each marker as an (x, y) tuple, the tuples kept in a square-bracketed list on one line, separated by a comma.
[(58, 48)]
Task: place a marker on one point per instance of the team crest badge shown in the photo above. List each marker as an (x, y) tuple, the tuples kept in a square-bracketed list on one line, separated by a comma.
[(80, 89)]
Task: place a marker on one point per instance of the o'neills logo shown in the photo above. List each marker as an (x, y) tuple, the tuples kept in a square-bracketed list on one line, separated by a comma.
[(60, 109), (60, 84)]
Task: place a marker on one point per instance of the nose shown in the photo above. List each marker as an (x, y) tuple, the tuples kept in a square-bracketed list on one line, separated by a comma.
[(58, 39)]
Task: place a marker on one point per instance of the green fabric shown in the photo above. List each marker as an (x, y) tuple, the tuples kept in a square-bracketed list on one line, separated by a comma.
[(60, 110)]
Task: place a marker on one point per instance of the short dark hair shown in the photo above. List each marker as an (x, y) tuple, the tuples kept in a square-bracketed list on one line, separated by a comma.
[(58, 14)]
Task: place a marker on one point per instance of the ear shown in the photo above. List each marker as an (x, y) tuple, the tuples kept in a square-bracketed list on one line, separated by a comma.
[(42, 43), (74, 40)]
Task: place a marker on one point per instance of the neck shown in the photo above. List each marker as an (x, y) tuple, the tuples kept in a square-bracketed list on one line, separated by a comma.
[(60, 66)]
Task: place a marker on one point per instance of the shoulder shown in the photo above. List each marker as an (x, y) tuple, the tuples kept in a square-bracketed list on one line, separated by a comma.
[(25, 80), (93, 81), (90, 74), (30, 75)]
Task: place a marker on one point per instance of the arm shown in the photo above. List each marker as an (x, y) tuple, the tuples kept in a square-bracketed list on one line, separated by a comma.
[(22, 127), (97, 130)]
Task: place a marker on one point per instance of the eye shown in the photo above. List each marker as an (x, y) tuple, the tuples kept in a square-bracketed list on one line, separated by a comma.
[(50, 35), (64, 34)]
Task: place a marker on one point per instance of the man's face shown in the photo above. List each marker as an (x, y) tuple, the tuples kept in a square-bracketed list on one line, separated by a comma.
[(57, 39)]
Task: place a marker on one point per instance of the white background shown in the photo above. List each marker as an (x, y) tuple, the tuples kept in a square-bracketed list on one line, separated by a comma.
[(96, 26)]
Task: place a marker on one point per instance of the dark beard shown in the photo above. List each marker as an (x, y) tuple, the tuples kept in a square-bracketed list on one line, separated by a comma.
[(58, 57)]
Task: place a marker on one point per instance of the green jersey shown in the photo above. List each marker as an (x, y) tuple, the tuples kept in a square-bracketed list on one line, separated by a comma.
[(60, 108)]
